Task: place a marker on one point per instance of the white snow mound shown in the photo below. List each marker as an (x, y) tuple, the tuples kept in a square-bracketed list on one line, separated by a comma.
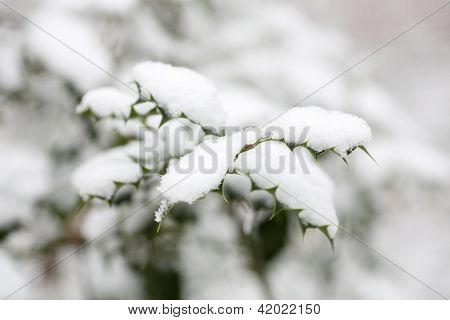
[(180, 90), (107, 102), (97, 177), (321, 129), (302, 184), (202, 170)]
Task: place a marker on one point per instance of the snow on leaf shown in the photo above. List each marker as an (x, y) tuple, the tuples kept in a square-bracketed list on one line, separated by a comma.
[(100, 176), (107, 102), (180, 91), (125, 128), (203, 170), (179, 136), (301, 183), (163, 209), (320, 129), (144, 108), (176, 100)]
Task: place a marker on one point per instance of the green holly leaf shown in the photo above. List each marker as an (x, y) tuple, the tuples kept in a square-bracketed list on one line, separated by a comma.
[(324, 230), (364, 149), (221, 190)]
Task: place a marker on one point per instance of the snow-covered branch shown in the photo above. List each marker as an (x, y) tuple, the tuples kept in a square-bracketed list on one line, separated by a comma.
[(278, 157)]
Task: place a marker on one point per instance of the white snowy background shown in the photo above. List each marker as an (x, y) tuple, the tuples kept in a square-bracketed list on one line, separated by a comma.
[(263, 56)]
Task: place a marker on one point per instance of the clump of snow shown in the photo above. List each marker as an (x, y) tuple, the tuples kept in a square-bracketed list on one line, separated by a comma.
[(98, 176), (162, 210), (107, 102), (320, 129), (144, 108), (179, 136), (301, 183), (153, 121), (180, 90), (202, 170)]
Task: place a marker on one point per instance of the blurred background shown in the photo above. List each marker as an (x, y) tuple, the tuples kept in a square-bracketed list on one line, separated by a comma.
[(263, 56)]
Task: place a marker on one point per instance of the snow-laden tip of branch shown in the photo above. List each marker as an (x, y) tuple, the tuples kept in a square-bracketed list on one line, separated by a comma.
[(99, 176), (163, 209), (202, 170), (304, 186), (107, 102), (320, 129), (180, 90)]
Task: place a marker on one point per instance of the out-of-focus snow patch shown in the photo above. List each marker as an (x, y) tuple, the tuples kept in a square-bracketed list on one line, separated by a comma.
[(280, 51), (24, 178), (410, 158), (97, 221), (107, 102), (11, 278), (108, 275), (302, 184), (180, 90), (386, 117), (117, 7), (89, 274), (20, 242), (11, 67), (24, 170), (98, 176), (320, 129), (127, 128), (292, 275), (211, 263), (245, 107), (75, 33)]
